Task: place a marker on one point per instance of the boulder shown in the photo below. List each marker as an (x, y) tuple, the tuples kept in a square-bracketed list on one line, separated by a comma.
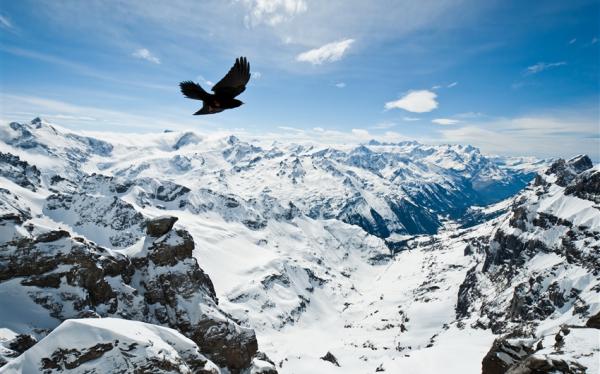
[(331, 358), (161, 225)]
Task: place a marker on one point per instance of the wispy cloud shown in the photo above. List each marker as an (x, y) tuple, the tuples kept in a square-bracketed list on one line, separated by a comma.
[(145, 54), (410, 119), (445, 121), (452, 84), (5, 22), (272, 12), (256, 75), (572, 41), (469, 115), (340, 85), (557, 134), (421, 101), (70, 114), (383, 126), (81, 69), (327, 53), (541, 66)]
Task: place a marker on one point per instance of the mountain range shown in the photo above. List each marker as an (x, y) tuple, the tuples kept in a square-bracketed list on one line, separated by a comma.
[(188, 252)]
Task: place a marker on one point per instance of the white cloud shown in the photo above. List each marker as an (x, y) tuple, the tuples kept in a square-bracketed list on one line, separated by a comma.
[(541, 66), (445, 121), (436, 87), (288, 128), (272, 12), (72, 115), (205, 81), (572, 40), (552, 135), (452, 84), (256, 75), (421, 101), (361, 133), (410, 119), (145, 54), (340, 85), (384, 125), (327, 53), (328, 137), (5, 22), (469, 115)]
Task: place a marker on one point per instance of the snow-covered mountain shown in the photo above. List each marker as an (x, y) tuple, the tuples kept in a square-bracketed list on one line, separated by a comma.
[(396, 257)]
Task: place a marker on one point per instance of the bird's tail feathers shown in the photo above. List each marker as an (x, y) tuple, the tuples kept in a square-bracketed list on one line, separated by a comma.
[(193, 90)]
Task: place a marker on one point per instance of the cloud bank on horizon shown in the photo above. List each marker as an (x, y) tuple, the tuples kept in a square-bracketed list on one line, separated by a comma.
[(432, 71)]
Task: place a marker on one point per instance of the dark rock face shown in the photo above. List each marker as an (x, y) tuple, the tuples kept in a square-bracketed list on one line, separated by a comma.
[(63, 359), (493, 363), (331, 358), (566, 171), (586, 186), (594, 321), (20, 172), (112, 220), (22, 343), (533, 365), (160, 226), (162, 285)]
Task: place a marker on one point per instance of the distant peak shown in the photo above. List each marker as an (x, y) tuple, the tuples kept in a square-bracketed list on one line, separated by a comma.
[(232, 139)]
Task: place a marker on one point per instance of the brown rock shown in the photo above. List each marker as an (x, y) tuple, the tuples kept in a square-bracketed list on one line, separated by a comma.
[(161, 225)]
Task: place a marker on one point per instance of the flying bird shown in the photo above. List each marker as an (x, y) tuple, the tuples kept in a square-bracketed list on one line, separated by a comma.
[(225, 91)]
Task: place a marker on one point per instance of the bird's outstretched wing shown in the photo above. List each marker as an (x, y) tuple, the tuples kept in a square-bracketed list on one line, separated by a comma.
[(193, 90), (234, 82)]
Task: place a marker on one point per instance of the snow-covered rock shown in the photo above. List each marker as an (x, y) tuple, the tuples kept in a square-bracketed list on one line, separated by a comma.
[(59, 277), (112, 345)]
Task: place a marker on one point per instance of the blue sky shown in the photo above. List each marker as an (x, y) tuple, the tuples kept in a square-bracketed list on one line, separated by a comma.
[(512, 77)]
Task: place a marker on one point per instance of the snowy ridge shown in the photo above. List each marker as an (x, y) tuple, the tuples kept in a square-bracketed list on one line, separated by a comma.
[(111, 345)]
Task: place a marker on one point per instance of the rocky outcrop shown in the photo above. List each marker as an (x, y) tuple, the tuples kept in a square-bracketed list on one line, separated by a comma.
[(523, 296), (160, 283), (571, 350), (504, 354), (331, 358), (20, 172), (160, 226), (586, 186), (566, 171), (594, 321)]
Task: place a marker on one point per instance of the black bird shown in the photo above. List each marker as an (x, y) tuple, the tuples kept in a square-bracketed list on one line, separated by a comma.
[(225, 91)]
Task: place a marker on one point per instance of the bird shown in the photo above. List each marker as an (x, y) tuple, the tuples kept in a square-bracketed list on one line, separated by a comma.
[(225, 91)]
